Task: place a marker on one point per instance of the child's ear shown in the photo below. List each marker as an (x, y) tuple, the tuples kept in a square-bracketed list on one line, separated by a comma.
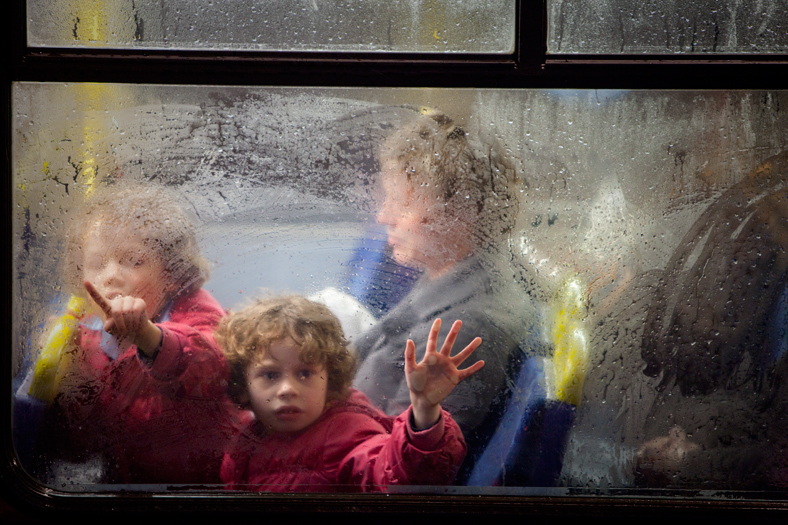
[(244, 401), (171, 288)]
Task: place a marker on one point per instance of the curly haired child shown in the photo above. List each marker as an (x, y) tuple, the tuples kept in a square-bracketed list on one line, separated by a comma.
[(146, 386), (290, 363)]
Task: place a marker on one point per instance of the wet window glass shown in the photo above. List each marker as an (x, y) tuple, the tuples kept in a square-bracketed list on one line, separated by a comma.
[(424, 26), (667, 28), (621, 254)]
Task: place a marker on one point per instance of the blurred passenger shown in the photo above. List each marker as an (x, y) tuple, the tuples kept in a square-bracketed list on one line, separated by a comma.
[(143, 386), (448, 210), (716, 337), (292, 365)]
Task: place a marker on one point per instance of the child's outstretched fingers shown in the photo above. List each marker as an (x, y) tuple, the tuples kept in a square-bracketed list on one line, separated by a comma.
[(432, 338), (415, 376), (448, 343), (433, 379), (458, 359)]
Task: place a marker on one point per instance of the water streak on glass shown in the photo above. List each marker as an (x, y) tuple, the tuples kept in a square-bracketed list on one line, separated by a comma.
[(626, 256), (424, 26), (705, 27)]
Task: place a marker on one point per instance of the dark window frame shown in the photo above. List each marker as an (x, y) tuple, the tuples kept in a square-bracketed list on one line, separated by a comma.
[(528, 67)]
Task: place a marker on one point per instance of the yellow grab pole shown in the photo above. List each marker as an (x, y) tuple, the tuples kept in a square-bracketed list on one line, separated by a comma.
[(567, 369)]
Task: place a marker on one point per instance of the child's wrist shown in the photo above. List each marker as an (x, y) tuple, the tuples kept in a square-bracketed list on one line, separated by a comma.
[(150, 339), (425, 417)]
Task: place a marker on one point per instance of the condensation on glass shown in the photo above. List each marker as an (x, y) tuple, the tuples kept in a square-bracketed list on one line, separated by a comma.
[(701, 27), (424, 26), (642, 275)]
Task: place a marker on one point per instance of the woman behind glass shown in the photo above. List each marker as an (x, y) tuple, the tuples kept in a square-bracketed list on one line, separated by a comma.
[(448, 210)]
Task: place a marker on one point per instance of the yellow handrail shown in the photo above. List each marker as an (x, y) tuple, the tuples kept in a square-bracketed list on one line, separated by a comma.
[(567, 369), (48, 370)]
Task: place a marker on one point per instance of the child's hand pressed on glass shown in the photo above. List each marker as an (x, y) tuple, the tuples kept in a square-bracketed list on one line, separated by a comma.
[(434, 378), (127, 319)]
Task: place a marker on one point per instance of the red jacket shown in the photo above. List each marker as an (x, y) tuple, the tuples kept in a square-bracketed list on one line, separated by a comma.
[(165, 420), (351, 447)]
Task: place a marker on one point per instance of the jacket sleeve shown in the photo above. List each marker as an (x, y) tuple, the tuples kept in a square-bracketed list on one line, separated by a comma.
[(189, 354), (405, 456), (234, 465)]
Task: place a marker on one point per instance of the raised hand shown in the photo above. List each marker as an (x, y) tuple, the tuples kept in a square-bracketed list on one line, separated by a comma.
[(434, 378), (664, 454), (127, 319)]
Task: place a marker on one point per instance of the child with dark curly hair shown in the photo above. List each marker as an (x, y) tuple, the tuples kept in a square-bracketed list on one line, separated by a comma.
[(291, 365)]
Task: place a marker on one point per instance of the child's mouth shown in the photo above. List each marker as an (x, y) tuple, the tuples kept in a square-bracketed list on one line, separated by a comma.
[(110, 294), (288, 412)]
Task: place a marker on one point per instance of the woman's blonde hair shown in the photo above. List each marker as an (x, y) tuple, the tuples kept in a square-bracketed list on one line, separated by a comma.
[(435, 155), (246, 335), (148, 211)]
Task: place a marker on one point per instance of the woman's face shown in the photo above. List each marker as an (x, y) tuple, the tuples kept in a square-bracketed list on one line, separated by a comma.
[(405, 220), (421, 234)]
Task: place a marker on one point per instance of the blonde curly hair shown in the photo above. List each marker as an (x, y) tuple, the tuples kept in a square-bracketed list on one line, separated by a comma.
[(474, 182), (246, 335), (148, 211)]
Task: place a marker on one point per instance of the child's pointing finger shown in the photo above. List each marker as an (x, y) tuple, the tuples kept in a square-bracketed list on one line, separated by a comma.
[(98, 298)]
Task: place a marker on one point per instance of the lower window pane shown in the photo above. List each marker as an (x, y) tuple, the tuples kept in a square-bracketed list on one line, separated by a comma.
[(621, 254)]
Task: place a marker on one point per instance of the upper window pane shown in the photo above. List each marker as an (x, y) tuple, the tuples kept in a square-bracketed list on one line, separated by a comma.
[(420, 26), (667, 27)]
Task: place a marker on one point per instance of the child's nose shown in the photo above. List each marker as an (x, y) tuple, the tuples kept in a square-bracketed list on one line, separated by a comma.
[(386, 215), (287, 388), (110, 274)]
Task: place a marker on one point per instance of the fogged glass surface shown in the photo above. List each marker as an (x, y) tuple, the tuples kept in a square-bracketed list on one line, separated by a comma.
[(425, 26), (621, 253), (703, 27)]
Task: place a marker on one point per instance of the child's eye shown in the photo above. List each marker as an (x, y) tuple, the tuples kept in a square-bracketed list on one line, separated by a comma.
[(269, 375), (94, 265), (134, 260), (306, 373)]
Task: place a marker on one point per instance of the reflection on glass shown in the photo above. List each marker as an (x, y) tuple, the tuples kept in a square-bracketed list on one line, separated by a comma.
[(621, 254), (424, 26), (703, 27)]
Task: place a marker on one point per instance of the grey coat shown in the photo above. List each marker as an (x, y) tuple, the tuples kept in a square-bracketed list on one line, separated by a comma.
[(496, 311)]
